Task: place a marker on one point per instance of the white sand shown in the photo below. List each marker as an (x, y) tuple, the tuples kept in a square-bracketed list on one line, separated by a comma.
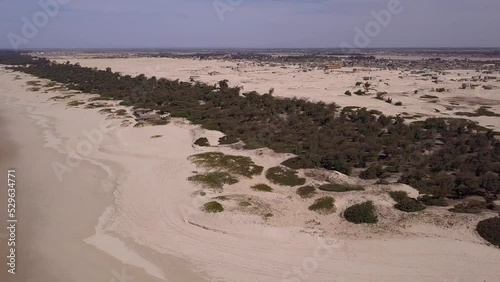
[(156, 208)]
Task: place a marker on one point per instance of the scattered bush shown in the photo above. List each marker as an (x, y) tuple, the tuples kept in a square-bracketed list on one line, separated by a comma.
[(233, 164), (472, 206), (360, 92), (306, 191), (382, 182), (214, 180), (324, 205), (410, 205), (398, 104), (121, 112), (213, 207), (226, 140), (202, 142), (156, 136), (372, 172), (361, 213), (284, 176), (335, 187), (348, 93), (262, 188), (405, 203), (75, 103), (489, 229), (433, 201), (429, 97)]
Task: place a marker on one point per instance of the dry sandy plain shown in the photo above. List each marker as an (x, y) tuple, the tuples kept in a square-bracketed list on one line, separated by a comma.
[(104, 201)]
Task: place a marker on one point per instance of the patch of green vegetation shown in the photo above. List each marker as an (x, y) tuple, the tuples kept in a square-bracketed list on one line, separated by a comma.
[(268, 215), (398, 103), (106, 111), (95, 106), (372, 172), (34, 83), (489, 229), (215, 180), (262, 188), (306, 191), (336, 187), (75, 103), (153, 122), (324, 205), (227, 140), (222, 198), (51, 84), (156, 136), (213, 207), (348, 93), (58, 98), (284, 176), (472, 206), (202, 142), (382, 182), (481, 112), (429, 97), (244, 204), (405, 203), (433, 201), (361, 213), (233, 164), (120, 112)]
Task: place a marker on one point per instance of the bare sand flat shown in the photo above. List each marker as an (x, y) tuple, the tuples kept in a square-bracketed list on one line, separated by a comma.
[(129, 205)]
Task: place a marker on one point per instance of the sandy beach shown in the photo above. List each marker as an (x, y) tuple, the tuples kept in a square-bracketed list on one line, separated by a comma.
[(99, 197)]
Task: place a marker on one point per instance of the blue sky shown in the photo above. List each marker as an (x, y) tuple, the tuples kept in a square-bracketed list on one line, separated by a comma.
[(249, 23)]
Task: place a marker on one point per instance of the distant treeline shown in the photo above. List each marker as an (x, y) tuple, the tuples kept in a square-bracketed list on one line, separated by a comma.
[(442, 157)]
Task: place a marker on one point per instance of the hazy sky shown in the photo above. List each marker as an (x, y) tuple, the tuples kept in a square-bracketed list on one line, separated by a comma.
[(246, 23)]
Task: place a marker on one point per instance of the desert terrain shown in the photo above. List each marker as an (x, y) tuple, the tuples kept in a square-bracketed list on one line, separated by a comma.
[(127, 203)]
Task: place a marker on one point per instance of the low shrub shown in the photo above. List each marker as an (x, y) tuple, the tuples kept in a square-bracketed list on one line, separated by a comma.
[(398, 103), (214, 180), (213, 207), (324, 205), (348, 93), (226, 140), (233, 164), (405, 203), (361, 213), (244, 204), (472, 206), (489, 229), (262, 188), (202, 142), (335, 187), (284, 176), (433, 201), (372, 172), (409, 205), (306, 191), (382, 182)]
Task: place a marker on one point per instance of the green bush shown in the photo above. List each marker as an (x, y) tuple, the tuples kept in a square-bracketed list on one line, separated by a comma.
[(244, 204), (472, 206), (202, 142), (409, 205), (213, 207), (214, 180), (226, 140), (306, 191), (361, 213), (382, 182), (262, 188), (398, 196), (324, 205), (405, 203), (284, 176), (233, 164), (335, 187), (433, 201), (489, 229), (372, 172)]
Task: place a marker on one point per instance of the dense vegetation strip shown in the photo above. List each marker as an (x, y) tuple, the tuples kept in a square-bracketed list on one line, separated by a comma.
[(465, 161)]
